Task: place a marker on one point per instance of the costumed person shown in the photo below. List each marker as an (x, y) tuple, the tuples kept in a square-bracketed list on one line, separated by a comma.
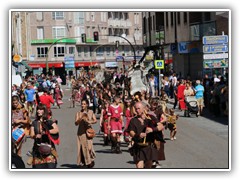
[(144, 151), (171, 124), (45, 133), (20, 119), (115, 120), (58, 94), (84, 120), (104, 122), (129, 115)]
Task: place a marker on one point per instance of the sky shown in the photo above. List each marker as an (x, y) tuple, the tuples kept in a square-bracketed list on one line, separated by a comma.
[(233, 5)]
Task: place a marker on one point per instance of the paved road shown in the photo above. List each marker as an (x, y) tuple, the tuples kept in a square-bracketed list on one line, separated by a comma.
[(201, 143)]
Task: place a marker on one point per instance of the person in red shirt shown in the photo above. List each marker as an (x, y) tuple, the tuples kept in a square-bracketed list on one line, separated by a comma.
[(115, 119), (180, 95), (46, 99)]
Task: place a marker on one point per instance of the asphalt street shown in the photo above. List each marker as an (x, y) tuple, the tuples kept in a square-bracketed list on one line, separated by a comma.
[(202, 143)]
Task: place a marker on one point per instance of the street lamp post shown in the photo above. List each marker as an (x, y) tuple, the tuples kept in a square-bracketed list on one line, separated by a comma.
[(128, 43), (47, 67)]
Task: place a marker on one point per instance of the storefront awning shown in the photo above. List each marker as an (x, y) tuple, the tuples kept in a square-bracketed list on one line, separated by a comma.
[(83, 64), (26, 65), (43, 65)]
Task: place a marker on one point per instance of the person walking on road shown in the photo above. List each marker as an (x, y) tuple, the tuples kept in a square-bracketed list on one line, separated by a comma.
[(199, 89), (84, 120), (46, 99), (20, 119), (43, 131), (115, 120), (144, 151)]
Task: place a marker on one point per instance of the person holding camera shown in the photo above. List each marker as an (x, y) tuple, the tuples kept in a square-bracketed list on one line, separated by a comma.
[(84, 119), (45, 133)]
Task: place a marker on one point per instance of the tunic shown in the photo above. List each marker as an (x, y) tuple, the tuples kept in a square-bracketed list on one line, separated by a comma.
[(86, 153), (142, 153)]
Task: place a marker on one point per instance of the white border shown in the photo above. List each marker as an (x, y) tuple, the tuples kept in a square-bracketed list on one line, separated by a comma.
[(127, 10)]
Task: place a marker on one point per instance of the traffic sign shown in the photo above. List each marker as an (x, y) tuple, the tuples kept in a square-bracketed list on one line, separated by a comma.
[(221, 39), (215, 48), (215, 56), (159, 64), (17, 58), (119, 58)]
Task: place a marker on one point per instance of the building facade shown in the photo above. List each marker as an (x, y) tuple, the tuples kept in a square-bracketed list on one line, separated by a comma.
[(54, 40), (180, 35)]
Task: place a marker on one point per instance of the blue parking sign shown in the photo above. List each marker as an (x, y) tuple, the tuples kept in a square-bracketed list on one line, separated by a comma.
[(159, 64)]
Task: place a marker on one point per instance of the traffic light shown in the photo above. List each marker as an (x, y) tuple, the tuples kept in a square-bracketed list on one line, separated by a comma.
[(95, 36), (117, 44), (83, 38)]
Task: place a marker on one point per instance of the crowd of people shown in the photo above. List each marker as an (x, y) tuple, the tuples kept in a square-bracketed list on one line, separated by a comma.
[(139, 119)]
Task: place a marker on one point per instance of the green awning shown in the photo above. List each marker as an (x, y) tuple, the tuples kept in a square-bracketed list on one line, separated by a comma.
[(26, 65)]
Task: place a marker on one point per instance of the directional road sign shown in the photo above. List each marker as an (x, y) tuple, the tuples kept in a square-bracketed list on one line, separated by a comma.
[(221, 39), (215, 48), (215, 56), (159, 64)]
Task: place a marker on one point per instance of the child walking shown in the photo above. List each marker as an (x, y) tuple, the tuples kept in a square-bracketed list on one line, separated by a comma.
[(172, 126)]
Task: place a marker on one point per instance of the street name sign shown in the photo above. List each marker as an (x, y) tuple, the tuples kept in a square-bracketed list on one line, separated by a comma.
[(221, 39), (215, 56), (215, 48)]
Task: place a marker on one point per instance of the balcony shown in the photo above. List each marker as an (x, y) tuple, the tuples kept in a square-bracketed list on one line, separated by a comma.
[(112, 39), (119, 23)]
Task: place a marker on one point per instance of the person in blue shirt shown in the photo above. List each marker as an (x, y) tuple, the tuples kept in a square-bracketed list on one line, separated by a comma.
[(199, 90), (30, 97)]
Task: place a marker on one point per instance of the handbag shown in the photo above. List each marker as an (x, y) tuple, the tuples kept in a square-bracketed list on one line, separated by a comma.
[(59, 101), (45, 149), (90, 133)]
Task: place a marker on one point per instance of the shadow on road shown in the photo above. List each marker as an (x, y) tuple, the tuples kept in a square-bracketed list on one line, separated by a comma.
[(105, 151), (130, 162), (72, 166)]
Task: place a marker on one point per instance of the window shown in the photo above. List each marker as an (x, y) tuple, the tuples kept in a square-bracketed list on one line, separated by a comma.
[(86, 52), (172, 13), (108, 51), (144, 25), (178, 18), (185, 17), (58, 32), (79, 51), (100, 51), (207, 16), (103, 16), (42, 51), (126, 16), (79, 18), (87, 16), (58, 15), (109, 15), (71, 50), (167, 19), (59, 51), (93, 16), (40, 33), (39, 16)]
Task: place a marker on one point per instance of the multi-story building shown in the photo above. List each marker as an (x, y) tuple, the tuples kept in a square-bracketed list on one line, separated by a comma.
[(180, 35), (53, 38), (19, 43)]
